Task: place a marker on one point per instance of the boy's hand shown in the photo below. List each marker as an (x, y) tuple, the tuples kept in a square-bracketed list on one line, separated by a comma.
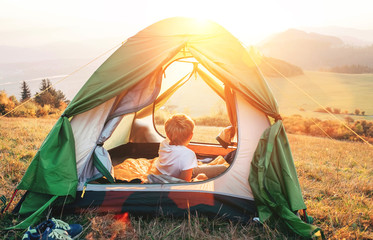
[(200, 177)]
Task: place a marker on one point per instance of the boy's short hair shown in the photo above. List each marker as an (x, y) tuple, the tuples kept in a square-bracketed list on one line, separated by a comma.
[(179, 128)]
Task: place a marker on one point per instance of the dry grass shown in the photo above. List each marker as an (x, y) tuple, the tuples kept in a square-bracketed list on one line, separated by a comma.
[(20, 138), (170, 228), (336, 178)]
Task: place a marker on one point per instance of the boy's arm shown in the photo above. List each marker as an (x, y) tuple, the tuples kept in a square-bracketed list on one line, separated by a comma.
[(186, 175)]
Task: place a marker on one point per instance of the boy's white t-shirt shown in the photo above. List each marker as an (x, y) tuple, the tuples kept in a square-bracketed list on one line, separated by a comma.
[(175, 158)]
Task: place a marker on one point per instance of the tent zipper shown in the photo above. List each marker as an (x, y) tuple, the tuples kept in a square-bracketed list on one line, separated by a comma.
[(97, 176)]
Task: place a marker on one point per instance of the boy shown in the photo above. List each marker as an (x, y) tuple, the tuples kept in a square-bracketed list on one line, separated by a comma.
[(175, 159)]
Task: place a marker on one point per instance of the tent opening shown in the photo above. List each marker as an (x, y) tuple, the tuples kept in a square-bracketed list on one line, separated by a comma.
[(183, 90), (196, 99)]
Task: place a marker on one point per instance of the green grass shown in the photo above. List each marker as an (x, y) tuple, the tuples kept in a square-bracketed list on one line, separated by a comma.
[(336, 179), (335, 90)]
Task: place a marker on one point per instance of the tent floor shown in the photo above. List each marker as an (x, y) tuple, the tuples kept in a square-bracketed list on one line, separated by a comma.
[(156, 203)]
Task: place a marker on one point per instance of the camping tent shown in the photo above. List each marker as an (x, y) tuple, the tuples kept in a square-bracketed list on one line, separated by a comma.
[(126, 87)]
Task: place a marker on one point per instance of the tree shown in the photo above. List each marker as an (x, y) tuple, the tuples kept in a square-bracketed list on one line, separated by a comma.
[(337, 111), (358, 128), (60, 97), (14, 100), (370, 131), (25, 93), (349, 120), (49, 95), (6, 103)]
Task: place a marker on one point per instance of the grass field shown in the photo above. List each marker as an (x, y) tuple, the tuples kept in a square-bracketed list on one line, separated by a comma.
[(336, 180), (335, 90)]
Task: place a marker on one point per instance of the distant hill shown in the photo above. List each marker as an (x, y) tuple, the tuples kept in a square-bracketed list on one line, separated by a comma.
[(273, 67), (350, 36), (312, 51)]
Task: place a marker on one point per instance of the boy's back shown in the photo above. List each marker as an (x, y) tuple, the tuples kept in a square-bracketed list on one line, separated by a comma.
[(173, 159)]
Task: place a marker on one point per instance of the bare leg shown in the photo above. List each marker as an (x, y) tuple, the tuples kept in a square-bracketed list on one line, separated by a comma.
[(209, 170)]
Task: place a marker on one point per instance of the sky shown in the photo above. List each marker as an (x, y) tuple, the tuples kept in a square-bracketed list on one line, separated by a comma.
[(33, 30), (36, 22)]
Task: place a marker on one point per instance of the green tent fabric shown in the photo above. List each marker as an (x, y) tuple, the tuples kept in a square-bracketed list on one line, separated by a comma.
[(274, 181), (37, 215), (53, 169), (145, 55)]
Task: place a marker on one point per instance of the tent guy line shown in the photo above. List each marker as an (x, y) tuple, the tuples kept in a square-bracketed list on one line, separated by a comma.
[(317, 102)]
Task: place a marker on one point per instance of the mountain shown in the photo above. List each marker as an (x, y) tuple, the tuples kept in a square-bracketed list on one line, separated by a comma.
[(296, 35), (350, 36), (313, 51)]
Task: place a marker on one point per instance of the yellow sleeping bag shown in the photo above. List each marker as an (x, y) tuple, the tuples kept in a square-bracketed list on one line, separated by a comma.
[(140, 168)]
